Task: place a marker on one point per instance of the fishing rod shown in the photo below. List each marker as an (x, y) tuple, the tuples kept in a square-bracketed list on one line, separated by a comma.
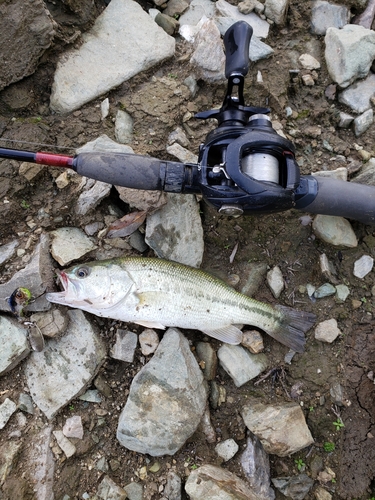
[(244, 166)]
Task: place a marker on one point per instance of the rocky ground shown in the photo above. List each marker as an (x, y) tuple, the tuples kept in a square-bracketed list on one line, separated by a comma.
[(332, 382)]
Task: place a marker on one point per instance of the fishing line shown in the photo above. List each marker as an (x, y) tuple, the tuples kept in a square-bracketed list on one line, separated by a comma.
[(38, 144)]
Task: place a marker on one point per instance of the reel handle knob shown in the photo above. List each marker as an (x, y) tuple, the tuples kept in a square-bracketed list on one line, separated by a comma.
[(236, 42)]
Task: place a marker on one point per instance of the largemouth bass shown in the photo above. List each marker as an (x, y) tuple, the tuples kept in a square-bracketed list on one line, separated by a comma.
[(157, 294)]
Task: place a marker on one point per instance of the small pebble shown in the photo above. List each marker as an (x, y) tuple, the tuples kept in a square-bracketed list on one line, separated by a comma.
[(363, 266), (227, 449), (327, 331)]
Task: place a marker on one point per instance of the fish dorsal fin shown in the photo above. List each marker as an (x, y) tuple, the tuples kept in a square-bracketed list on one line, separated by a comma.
[(151, 324), (229, 334)]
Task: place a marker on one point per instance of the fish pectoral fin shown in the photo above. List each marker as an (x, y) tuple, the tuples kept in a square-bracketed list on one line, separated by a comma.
[(151, 324), (229, 334)]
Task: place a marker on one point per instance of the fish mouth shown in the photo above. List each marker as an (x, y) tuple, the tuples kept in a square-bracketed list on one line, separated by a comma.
[(64, 280), (59, 297)]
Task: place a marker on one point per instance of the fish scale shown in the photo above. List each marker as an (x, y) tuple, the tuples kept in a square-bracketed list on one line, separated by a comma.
[(158, 293)]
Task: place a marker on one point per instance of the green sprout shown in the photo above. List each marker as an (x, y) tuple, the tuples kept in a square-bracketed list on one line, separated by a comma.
[(339, 424), (25, 205), (300, 464), (328, 446)]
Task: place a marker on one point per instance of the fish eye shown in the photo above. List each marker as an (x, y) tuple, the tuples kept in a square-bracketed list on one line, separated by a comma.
[(82, 272)]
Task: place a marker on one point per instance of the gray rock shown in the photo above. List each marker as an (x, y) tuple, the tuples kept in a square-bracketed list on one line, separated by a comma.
[(143, 200), (134, 491), (345, 120), (337, 394), (176, 7), (25, 403), (327, 331), (363, 266), (240, 364), (252, 340), (70, 243), (220, 483), (167, 23), (363, 122), (9, 452), (326, 15), (7, 251), (124, 348), (166, 401), (108, 49), (252, 276), (36, 276), (93, 193), (208, 57), (91, 396), (175, 231), (367, 174), (276, 10), (40, 463), (340, 173), (69, 363), (172, 490), (324, 291), (366, 18), (149, 341), (208, 356), (248, 6), (227, 449), (255, 464), (206, 427), (281, 428), (259, 50), (137, 241), (358, 96), (197, 10), (335, 230), (275, 281), (342, 292), (67, 446), (123, 127), (73, 427), (109, 490), (7, 408), (178, 135), (296, 487), (31, 29), (260, 26), (349, 53), (14, 344), (183, 154), (322, 494), (104, 144), (51, 323)]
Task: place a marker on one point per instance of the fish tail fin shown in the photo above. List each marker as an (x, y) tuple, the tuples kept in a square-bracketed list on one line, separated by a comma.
[(292, 327)]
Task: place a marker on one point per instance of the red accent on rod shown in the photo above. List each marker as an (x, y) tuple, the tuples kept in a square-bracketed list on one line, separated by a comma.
[(54, 160)]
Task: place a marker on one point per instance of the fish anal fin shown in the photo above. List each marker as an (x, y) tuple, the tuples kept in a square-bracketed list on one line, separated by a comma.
[(229, 334), (151, 324)]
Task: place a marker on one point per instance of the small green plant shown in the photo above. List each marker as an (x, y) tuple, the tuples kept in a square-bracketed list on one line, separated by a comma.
[(25, 205), (311, 408), (328, 446), (339, 424), (300, 464), (71, 407)]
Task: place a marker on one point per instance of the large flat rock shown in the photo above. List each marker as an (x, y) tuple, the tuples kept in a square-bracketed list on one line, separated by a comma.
[(123, 42), (63, 370)]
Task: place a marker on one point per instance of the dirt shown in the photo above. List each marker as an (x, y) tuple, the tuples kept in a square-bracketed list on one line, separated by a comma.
[(277, 239)]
